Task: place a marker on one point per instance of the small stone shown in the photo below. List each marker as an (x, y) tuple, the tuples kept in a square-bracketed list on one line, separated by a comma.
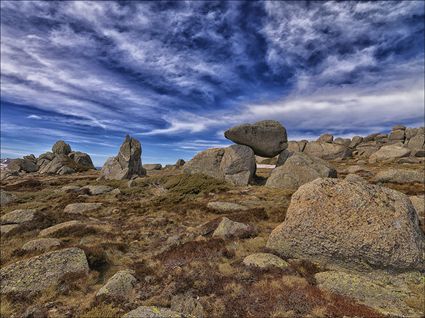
[(354, 178), (118, 287), (264, 261), (81, 207), (231, 229), (98, 189)]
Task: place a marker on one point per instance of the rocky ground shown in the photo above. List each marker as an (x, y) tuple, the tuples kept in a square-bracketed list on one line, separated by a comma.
[(172, 244)]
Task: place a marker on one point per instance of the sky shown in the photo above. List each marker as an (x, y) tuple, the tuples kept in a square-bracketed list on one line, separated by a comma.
[(176, 75)]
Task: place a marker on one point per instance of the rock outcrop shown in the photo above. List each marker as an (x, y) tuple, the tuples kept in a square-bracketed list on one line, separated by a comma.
[(389, 153), (267, 138), (127, 164), (38, 273), (235, 164), (351, 224), (299, 169)]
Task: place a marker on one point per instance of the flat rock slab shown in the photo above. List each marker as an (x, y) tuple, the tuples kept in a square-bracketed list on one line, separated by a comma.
[(385, 294), (118, 287), (221, 206), (18, 217), (264, 261), (81, 207), (39, 273), (400, 176), (152, 312), (41, 244)]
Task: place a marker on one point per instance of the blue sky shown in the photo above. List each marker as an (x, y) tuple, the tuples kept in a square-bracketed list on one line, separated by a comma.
[(175, 75)]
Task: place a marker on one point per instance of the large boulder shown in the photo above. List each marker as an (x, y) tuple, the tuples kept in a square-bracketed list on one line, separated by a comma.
[(326, 150), (325, 138), (351, 224), (26, 165), (59, 161), (388, 153), (297, 146), (267, 138), (39, 273), (235, 164), (298, 169), (61, 148), (417, 141), (355, 141), (82, 160), (6, 198), (400, 176), (127, 164)]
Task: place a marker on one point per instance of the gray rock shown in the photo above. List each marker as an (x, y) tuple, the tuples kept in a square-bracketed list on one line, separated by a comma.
[(398, 127), (417, 142), (41, 244), (63, 228), (152, 312), (81, 207), (61, 148), (127, 164), (65, 170), (267, 138), (300, 168), (118, 287), (152, 166), (98, 189), (6, 198), (265, 261), (59, 161), (351, 224), (18, 217), (400, 176), (231, 229), (327, 150), (225, 207), (390, 152), (9, 229), (39, 273), (297, 146), (325, 138), (397, 135), (187, 305), (355, 141), (180, 163), (354, 178), (206, 162), (25, 165), (82, 160), (343, 141), (238, 165), (283, 156), (47, 155)]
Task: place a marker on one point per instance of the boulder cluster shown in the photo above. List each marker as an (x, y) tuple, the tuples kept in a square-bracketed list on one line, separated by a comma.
[(61, 160)]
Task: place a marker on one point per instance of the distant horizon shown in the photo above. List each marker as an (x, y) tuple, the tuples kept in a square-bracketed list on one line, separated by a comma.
[(176, 75)]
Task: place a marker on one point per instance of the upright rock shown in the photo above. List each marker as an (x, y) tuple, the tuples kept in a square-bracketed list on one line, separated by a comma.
[(352, 224), (127, 164), (61, 148), (235, 164), (298, 169), (267, 138)]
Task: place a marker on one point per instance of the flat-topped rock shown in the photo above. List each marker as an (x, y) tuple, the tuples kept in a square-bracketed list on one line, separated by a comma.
[(267, 138), (40, 272), (82, 207), (400, 176)]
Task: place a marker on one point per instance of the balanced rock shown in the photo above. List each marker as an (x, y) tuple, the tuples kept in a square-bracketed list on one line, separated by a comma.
[(235, 164), (389, 152), (39, 273), (350, 224), (127, 164), (267, 138), (298, 169)]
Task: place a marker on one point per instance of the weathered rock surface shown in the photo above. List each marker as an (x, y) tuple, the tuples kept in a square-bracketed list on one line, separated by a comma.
[(352, 224), (264, 261), (82, 159), (326, 138), (81, 207), (127, 164), (231, 229), (390, 152), (267, 138), (388, 295), (400, 176), (152, 166), (63, 228), (152, 312), (235, 164), (418, 202), (327, 150), (9, 229), (187, 305), (61, 148), (98, 189), (18, 217), (118, 287), (41, 244), (225, 207), (6, 198), (299, 169), (283, 156), (351, 177), (38, 273)]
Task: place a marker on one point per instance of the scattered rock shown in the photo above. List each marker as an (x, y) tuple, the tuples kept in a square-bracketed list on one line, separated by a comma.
[(225, 207), (326, 138), (299, 169), (385, 294), (42, 244), (98, 189), (152, 166), (390, 152), (63, 228), (152, 312), (265, 261), (6, 198), (18, 217), (400, 176), (118, 287), (352, 224), (127, 164), (267, 138), (61, 148), (40, 272), (81, 207), (231, 229)]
